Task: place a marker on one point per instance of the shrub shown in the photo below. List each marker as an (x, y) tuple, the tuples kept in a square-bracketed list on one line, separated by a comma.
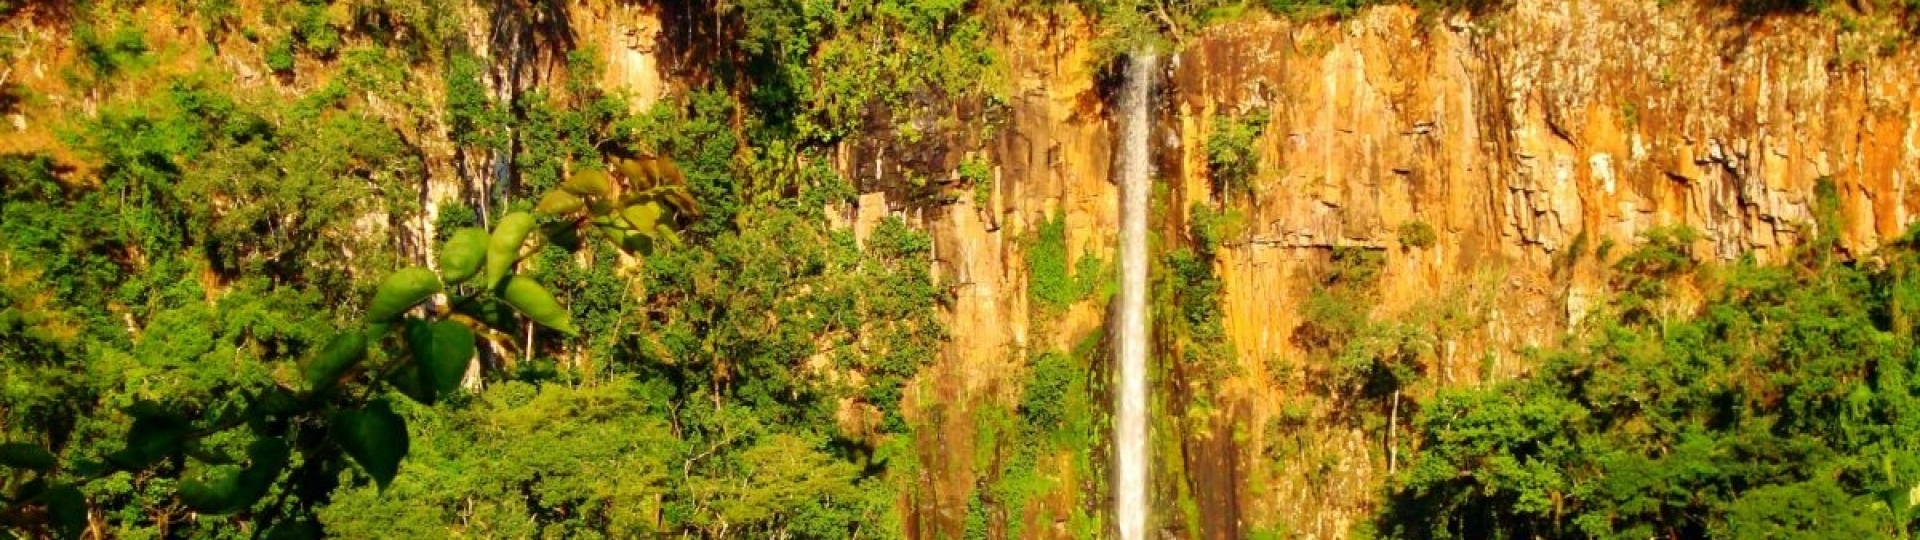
[(1767, 408), (1417, 234), (1051, 282), (280, 56), (1231, 160), (977, 173)]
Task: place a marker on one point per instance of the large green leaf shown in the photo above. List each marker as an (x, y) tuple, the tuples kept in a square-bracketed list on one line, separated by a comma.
[(377, 331), (562, 234), (681, 201), (374, 437), (638, 172), (67, 508), (463, 254), (601, 206), (26, 456), (623, 235), (401, 291), (408, 381), (487, 311), (151, 438), (229, 489), (147, 408), (291, 529), (669, 173), (503, 249), (214, 493), (605, 223), (345, 351), (275, 402), (443, 349), (588, 184), (530, 299), (667, 236), (615, 233), (558, 202), (267, 458), (643, 217), (637, 243), (29, 490)]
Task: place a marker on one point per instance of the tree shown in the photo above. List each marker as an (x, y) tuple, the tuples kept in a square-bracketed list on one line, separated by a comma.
[(275, 449), (1781, 406)]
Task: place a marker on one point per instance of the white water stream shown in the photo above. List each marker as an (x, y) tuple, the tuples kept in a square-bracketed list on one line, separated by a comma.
[(1130, 419)]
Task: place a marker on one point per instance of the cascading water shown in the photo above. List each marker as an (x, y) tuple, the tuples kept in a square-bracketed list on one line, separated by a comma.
[(1130, 425)]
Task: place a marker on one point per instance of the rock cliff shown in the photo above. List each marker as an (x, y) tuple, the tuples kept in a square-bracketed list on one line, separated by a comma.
[(1530, 138)]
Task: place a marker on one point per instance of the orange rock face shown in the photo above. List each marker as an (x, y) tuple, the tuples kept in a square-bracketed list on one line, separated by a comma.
[(1527, 137)]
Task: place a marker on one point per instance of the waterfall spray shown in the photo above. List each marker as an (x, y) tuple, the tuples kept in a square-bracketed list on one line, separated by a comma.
[(1130, 424)]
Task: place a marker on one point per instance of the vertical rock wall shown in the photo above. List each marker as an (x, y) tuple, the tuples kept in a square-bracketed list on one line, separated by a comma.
[(1521, 136)]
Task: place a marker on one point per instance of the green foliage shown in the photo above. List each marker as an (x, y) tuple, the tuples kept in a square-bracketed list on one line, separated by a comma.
[(67, 509), (738, 324), (978, 174), (1317, 7), (1826, 210), (1361, 360), (556, 128), (1781, 406), (186, 267), (1196, 316), (1643, 278), (374, 437), (903, 295), (977, 521), (26, 456), (1049, 281), (1125, 26), (524, 460), (1232, 163), (503, 246), (168, 308), (1212, 229), (107, 51), (698, 136), (202, 378), (443, 349), (1420, 234), (401, 291), (463, 254), (472, 117), (239, 488), (1188, 307), (532, 300), (1043, 398), (819, 78), (279, 56), (1354, 269), (345, 351), (1058, 415)]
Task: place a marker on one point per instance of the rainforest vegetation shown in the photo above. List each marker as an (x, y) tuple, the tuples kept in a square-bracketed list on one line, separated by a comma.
[(233, 304)]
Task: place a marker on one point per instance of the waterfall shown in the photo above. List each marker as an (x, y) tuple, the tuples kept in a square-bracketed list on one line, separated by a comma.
[(1130, 424)]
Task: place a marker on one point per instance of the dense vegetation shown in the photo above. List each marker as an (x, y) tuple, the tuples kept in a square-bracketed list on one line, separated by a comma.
[(186, 271), (1781, 404)]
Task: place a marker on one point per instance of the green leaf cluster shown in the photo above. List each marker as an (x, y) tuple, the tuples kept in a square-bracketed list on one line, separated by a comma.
[(1781, 406), (1232, 160), (1052, 281)]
